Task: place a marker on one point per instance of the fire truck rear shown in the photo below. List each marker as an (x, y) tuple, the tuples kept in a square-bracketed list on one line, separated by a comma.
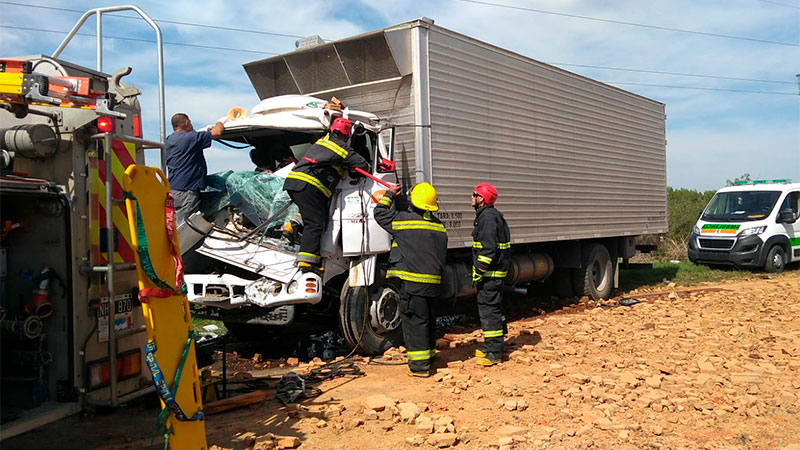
[(67, 134)]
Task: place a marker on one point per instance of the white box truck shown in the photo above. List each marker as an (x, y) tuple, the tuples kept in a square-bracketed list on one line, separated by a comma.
[(749, 225), (580, 167)]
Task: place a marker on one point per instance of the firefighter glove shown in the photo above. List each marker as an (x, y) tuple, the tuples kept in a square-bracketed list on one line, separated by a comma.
[(477, 276)]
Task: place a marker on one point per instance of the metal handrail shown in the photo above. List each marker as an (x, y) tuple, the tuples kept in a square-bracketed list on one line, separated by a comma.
[(159, 43)]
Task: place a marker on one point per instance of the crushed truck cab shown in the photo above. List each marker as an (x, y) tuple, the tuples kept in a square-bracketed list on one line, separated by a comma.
[(749, 225), (265, 274)]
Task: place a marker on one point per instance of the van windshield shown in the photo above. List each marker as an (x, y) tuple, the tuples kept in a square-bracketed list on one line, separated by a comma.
[(740, 206)]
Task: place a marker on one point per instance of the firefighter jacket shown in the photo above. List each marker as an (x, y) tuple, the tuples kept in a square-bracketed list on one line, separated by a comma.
[(418, 250), (323, 165), (491, 243)]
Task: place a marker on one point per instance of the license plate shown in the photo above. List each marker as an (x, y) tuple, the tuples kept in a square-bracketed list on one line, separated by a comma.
[(123, 304)]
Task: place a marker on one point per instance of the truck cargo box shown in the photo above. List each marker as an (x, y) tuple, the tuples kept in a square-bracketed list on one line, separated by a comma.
[(572, 158)]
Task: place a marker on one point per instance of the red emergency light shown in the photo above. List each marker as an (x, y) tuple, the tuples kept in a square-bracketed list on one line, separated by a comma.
[(137, 126), (105, 124)]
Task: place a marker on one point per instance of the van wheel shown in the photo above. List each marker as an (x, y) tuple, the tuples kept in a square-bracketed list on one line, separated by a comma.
[(776, 260), (595, 278), (374, 326)]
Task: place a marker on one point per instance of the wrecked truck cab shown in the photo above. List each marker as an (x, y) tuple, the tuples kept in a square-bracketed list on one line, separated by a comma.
[(245, 272)]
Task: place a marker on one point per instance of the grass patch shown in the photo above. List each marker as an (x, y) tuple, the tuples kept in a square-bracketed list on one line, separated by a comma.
[(683, 273), (198, 325)]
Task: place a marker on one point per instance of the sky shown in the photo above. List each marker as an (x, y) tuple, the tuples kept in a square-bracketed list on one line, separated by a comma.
[(725, 69)]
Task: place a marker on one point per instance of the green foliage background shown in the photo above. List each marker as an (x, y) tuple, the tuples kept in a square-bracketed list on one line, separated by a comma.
[(683, 209)]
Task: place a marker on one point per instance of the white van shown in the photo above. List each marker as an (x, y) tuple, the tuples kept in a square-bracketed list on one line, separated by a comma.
[(751, 224)]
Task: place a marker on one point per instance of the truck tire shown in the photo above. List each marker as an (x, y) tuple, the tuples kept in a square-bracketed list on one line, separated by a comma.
[(595, 278), (374, 326), (776, 259)]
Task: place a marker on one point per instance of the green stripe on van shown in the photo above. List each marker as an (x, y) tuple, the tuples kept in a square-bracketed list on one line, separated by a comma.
[(719, 226), (794, 241)]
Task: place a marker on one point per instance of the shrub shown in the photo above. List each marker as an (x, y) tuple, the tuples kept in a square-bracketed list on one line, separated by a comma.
[(683, 209)]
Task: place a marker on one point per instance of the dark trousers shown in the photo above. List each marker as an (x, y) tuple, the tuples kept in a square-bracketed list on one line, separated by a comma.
[(186, 203), (314, 209), (419, 330), (490, 310)]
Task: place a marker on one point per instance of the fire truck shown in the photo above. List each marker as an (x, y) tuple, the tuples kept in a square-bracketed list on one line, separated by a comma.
[(72, 327)]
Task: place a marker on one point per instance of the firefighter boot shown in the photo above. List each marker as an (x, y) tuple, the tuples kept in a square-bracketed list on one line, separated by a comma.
[(419, 373), (306, 267), (489, 360), (480, 353)]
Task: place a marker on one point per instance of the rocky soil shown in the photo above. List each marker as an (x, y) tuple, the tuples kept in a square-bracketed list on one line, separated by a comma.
[(703, 367), (712, 367)]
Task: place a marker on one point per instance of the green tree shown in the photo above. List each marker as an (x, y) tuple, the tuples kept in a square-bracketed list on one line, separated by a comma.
[(743, 177)]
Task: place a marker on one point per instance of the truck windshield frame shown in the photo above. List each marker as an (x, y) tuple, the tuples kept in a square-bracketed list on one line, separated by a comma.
[(740, 206)]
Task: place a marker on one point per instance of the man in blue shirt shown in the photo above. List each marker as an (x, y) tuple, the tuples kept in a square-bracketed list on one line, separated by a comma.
[(187, 165)]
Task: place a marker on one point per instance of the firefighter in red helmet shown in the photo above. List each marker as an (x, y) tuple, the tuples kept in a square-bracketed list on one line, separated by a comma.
[(310, 186), (491, 244)]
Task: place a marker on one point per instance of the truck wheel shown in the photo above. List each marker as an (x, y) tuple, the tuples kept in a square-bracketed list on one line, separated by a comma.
[(596, 275), (776, 260), (374, 326)]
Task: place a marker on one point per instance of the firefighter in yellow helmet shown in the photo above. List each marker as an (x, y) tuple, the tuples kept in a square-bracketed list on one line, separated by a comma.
[(417, 259)]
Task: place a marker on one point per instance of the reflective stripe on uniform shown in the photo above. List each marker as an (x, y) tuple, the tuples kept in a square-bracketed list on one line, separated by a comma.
[(493, 333), (386, 201), (309, 257), (495, 274), (394, 244), (484, 259), (310, 180), (476, 244), (418, 225), (332, 146), (504, 245), (419, 355), (415, 277)]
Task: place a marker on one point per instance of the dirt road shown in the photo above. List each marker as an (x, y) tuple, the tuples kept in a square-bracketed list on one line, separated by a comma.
[(712, 366)]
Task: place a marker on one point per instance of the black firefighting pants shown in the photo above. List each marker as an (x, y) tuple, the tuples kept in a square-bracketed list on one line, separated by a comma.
[(314, 208), (419, 330), (490, 310)]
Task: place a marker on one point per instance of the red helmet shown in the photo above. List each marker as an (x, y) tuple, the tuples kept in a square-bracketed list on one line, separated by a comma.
[(342, 125), (488, 192)]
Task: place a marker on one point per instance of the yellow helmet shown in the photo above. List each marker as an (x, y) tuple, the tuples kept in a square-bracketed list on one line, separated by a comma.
[(423, 196)]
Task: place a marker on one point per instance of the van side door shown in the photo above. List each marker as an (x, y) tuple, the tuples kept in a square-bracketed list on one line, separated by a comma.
[(792, 203)]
